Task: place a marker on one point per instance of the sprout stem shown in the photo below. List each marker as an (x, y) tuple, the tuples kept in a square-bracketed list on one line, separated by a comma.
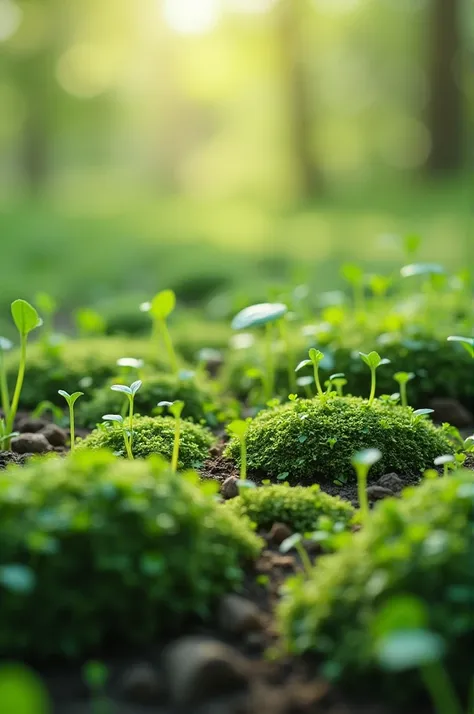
[(243, 457), (440, 688), (18, 387), (72, 436), (317, 381), (4, 386), (362, 472), (403, 394), (130, 438), (177, 435), (306, 562), (372, 385)]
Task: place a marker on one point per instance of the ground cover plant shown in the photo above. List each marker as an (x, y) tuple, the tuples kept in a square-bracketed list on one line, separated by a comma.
[(149, 549)]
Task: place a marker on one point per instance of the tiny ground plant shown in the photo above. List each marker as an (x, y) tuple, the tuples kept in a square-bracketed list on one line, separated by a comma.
[(71, 399), (402, 378), (447, 461), (315, 359), (466, 342), (160, 309), (373, 361), (239, 429), (5, 346), (362, 462), (296, 541), (263, 314), (339, 381), (26, 319), (118, 419), (127, 433), (176, 409)]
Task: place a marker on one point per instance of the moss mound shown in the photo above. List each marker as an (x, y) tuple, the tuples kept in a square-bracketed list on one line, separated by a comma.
[(95, 551), (154, 435), (198, 401), (68, 364), (300, 508), (315, 439), (421, 546)]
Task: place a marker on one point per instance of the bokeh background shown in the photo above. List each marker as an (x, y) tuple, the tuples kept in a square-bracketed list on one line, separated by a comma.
[(223, 147)]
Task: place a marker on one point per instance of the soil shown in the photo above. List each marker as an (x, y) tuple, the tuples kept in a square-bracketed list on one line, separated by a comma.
[(223, 668)]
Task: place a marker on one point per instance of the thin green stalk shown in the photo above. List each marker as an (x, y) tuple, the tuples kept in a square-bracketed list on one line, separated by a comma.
[(403, 394), (308, 391), (440, 688), (72, 435), (289, 357), (269, 366), (317, 381), (177, 435), (304, 558), (173, 360), (18, 387), (243, 458), (362, 472), (130, 440), (372, 385), (4, 387)]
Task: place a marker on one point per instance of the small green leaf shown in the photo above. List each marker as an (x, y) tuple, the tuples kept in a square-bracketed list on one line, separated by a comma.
[(163, 304), (372, 359), (113, 417), (238, 428), (352, 273), (444, 459), (290, 542), (21, 691), (316, 356), (466, 342), (25, 317), (403, 377), (135, 386), (409, 649), (176, 408), (303, 363), (121, 388), (422, 412), (366, 457)]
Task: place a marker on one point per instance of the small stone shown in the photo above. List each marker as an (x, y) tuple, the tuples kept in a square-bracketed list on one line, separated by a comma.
[(451, 411), (54, 434), (141, 684), (392, 482), (199, 670), (376, 493), (30, 444), (230, 488), (29, 425), (278, 533), (237, 615)]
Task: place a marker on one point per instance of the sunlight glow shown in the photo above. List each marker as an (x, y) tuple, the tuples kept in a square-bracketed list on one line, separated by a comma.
[(10, 18), (191, 17), (256, 7)]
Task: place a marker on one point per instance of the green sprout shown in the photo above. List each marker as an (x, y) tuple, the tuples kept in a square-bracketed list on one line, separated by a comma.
[(127, 434), (296, 541), (5, 436), (160, 309), (447, 461), (71, 399), (373, 360), (176, 409), (315, 358), (362, 461), (337, 380), (266, 314), (5, 346), (239, 429), (403, 378), (466, 342), (420, 414), (26, 319)]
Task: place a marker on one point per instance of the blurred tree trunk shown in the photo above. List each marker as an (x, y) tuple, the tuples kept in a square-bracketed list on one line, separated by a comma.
[(298, 97), (446, 107)]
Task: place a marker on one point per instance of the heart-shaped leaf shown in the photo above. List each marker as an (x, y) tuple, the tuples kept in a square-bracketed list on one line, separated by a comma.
[(176, 408), (238, 428), (316, 356), (25, 317)]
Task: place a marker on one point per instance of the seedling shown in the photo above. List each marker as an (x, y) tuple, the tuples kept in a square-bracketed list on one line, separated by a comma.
[(118, 419), (6, 437), (420, 414), (315, 358), (337, 380), (403, 378), (176, 409), (296, 541), (373, 360), (466, 342), (362, 461), (263, 314), (130, 392), (447, 461), (26, 319), (239, 428), (5, 346), (160, 309), (71, 399)]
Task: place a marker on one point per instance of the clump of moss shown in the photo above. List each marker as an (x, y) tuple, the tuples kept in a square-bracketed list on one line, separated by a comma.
[(109, 551), (420, 546), (198, 401), (69, 363), (298, 507), (314, 440), (154, 435)]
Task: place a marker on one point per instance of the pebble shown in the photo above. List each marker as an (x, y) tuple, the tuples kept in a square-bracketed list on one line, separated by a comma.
[(391, 481), (230, 487), (237, 615), (278, 533), (141, 684), (199, 670), (54, 434), (29, 425), (376, 493), (30, 444)]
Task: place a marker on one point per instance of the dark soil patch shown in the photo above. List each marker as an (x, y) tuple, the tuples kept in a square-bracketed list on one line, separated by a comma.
[(7, 458)]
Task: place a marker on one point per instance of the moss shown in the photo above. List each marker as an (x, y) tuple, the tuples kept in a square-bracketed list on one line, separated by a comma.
[(422, 546), (298, 439), (97, 551), (298, 507), (154, 435), (198, 401), (69, 363)]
